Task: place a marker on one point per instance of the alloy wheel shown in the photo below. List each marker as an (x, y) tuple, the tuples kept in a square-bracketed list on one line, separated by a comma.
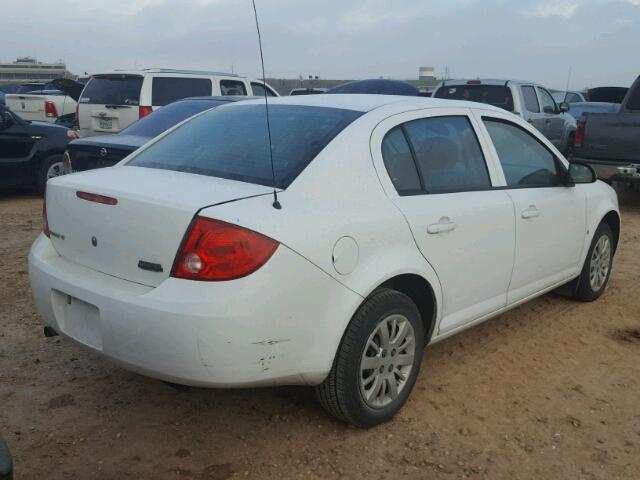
[(600, 263), (387, 361), (55, 170)]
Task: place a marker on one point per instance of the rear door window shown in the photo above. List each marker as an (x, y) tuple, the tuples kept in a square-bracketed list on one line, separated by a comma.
[(166, 90), (232, 87), (447, 154), (530, 99), (112, 90), (400, 163), (525, 161), (497, 95), (232, 142)]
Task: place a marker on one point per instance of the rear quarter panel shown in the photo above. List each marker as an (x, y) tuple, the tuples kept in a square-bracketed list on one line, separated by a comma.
[(338, 195)]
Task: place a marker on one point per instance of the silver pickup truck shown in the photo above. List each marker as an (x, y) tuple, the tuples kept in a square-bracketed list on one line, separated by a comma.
[(530, 101), (610, 142)]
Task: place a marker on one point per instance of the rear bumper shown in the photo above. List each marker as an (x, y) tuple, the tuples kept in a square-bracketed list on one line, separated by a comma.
[(613, 171), (280, 325)]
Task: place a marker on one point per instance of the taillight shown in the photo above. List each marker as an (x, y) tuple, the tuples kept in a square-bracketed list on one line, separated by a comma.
[(578, 140), (213, 250), (144, 111), (474, 82), (45, 222), (66, 162), (50, 109)]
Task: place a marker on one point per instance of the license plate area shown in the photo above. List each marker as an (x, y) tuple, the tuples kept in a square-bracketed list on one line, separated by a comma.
[(78, 319), (105, 123)]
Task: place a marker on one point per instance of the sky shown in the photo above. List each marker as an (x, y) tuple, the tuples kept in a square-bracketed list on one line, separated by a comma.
[(536, 40)]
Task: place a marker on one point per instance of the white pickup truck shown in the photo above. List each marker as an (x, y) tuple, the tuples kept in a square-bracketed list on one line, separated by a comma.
[(40, 102)]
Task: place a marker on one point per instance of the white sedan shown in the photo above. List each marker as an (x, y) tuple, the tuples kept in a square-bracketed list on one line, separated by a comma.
[(402, 221)]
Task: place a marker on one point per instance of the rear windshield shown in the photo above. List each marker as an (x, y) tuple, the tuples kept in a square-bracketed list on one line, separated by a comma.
[(112, 90), (497, 95), (232, 142), (166, 117)]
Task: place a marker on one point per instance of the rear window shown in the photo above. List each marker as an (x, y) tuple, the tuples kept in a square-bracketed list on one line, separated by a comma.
[(232, 142), (166, 90), (232, 87), (497, 95), (165, 118), (112, 90)]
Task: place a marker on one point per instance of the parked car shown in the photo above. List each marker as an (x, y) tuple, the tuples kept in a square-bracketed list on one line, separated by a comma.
[(399, 222), (107, 150), (111, 102), (607, 94), (306, 91), (6, 464), (532, 102), (42, 105), (577, 110), (610, 142), (378, 86), (568, 97), (9, 87), (30, 152)]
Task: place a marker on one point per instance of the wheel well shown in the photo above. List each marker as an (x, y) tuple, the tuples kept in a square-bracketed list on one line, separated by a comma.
[(613, 220), (420, 291)]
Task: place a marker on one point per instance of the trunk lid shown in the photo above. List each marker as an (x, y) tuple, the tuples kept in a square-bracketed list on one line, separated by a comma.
[(145, 227)]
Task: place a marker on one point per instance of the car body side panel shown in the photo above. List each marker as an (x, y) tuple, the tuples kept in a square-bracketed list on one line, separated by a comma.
[(385, 245)]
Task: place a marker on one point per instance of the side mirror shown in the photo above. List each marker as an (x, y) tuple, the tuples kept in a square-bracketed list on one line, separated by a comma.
[(580, 172), (564, 107)]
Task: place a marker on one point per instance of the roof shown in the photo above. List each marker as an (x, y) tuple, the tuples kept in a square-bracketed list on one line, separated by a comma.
[(367, 102), (143, 71), (486, 81), (219, 98)]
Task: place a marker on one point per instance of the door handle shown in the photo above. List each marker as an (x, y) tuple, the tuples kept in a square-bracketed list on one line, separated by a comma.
[(444, 225), (547, 121), (530, 212)]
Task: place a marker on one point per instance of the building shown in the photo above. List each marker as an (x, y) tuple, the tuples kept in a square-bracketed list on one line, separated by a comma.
[(426, 73), (28, 69)]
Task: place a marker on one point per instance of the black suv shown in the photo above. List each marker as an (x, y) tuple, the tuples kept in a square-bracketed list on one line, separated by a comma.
[(30, 152)]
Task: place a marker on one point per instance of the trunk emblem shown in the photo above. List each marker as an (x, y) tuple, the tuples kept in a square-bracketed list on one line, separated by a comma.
[(103, 152), (94, 241)]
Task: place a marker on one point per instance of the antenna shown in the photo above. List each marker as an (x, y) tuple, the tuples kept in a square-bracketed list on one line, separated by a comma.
[(276, 203), (566, 90)]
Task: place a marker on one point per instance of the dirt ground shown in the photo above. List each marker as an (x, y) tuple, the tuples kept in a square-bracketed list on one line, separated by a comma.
[(549, 390)]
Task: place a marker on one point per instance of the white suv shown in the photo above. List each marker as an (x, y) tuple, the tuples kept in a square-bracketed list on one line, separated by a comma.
[(111, 102)]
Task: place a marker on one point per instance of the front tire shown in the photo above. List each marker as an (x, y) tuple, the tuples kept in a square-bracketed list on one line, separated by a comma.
[(597, 266), (377, 363), (50, 167)]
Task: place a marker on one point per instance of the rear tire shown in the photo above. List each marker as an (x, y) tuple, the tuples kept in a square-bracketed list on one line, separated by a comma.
[(596, 270), (50, 167), (364, 396)]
